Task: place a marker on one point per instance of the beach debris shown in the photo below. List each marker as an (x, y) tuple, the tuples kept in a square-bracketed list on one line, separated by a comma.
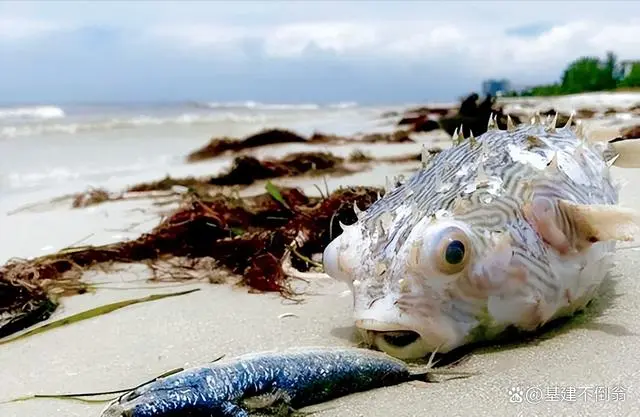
[(91, 197), (632, 132), (22, 305), (469, 114), (95, 196), (420, 123), (82, 396), (421, 119), (278, 382), (92, 313), (285, 315), (472, 117), (610, 111), (585, 113), (425, 118), (399, 136), (431, 111), (245, 171), (250, 237), (514, 229), (358, 155), (220, 146)]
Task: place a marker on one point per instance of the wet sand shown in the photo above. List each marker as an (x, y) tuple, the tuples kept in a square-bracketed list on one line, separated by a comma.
[(137, 343)]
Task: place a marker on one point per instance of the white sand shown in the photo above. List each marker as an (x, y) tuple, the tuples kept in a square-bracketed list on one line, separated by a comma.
[(139, 342), (595, 101)]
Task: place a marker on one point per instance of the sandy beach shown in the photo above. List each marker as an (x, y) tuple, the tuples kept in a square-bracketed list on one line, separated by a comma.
[(595, 359)]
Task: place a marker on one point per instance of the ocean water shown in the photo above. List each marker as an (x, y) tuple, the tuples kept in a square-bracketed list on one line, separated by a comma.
[(49, 150)]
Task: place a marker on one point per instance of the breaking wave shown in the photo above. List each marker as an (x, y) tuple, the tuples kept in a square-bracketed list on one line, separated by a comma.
[(31, 112), (186, 119), (16, 122), (254, 105), (85, 173)]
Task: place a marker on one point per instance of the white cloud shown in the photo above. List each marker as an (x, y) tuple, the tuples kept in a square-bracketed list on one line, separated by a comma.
[(339, 37), (562, 43), (482, 48), (625, 37), (469, 39), (485, 47), (19, 28), (198, 35)]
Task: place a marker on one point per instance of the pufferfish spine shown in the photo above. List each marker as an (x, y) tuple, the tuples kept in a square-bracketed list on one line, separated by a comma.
[(510, 229)]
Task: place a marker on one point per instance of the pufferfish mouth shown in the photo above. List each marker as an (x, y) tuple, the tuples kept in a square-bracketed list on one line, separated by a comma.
[(391, 334), (400, 338)]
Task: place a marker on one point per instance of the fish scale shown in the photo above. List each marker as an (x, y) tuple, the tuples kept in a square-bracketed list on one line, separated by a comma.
[(257, 382), (536, 213)]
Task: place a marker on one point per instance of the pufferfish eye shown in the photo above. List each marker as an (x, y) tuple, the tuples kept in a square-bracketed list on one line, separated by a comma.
[(452, 252)]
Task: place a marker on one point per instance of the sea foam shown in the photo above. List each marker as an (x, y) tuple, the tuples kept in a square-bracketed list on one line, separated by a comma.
[(22, 129), (32, 112), (255, 105)]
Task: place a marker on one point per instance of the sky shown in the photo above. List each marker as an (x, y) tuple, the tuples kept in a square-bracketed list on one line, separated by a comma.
[(297, 51)]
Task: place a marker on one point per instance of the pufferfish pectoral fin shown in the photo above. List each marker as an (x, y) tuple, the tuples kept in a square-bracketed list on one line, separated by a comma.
[(585, 223), (602, 222), (541, 214)]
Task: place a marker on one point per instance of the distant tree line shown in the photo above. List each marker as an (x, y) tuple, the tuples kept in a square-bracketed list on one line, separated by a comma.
[(588, 74)]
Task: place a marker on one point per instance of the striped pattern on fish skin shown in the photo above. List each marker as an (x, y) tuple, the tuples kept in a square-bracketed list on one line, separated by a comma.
[(513, 228)]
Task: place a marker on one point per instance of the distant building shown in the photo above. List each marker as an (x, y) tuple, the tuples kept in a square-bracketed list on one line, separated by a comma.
[(496, 87), (627, 66)]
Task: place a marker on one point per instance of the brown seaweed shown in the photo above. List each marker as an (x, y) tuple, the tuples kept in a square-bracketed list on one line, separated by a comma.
[(246, 170), (219, 146), (251, 237)]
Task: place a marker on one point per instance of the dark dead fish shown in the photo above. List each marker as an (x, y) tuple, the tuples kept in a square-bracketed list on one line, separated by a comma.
[(261, 382)]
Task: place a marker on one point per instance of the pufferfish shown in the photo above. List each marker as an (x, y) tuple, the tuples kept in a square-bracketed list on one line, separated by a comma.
[(513, 228)]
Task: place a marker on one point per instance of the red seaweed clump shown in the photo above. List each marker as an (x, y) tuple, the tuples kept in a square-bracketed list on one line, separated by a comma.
[(248, 236)]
